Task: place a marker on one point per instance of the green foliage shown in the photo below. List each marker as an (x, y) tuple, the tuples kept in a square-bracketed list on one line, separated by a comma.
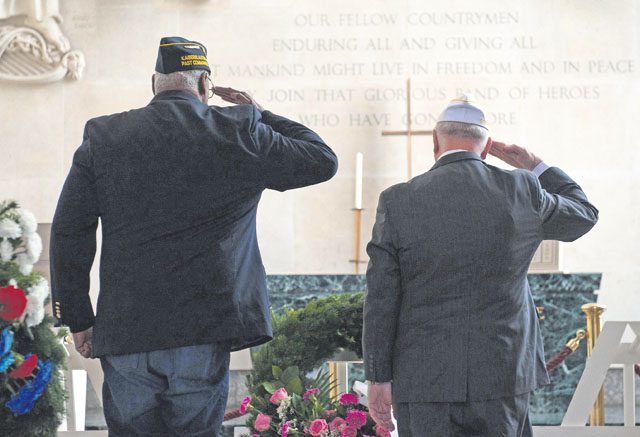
[(9, 270), (7, 205), (46, 416), (308, 336)]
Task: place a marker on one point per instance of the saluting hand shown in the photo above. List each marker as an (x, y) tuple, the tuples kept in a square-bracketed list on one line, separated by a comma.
[(379, 400), (236, 97), (83, 342), (514, 155)]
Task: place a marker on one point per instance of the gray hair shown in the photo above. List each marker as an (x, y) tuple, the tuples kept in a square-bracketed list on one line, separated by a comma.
[(179, 80), (462, 130)]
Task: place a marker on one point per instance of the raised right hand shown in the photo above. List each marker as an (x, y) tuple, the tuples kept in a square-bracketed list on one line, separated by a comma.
[(236, 97), (514, 155)]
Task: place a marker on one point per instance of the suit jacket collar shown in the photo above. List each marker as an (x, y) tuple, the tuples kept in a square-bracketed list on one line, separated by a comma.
[(455, 157), (176, 95)]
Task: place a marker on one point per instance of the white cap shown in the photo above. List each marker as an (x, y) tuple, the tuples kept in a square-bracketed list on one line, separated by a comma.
[(462, 110)]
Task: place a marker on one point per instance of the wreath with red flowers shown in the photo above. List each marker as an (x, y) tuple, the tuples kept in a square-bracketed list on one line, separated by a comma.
[(32, 396)]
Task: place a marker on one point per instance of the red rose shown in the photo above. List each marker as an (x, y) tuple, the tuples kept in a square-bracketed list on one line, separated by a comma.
[(278, 396), (349, 431), (13, 302), (317, 427), (338, 424), (26, 368), (245, 403), (311, 392), (348, 398), (262, 422), (356, 418)]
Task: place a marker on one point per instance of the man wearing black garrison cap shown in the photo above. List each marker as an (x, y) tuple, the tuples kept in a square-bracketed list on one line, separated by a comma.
[(175, 185)]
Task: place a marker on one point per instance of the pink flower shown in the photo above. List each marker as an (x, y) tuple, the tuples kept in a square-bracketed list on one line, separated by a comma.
[(338, 424), (255, 435), (348, 398), (278, 396), (310, 392), (285, 429), (381, 431), (244, 405), (349, 431), (317, 426), (356, 418), (329, 412), (262, 423)]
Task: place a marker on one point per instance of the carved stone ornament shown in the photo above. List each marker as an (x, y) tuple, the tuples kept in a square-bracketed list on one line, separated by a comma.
[(36, 50)]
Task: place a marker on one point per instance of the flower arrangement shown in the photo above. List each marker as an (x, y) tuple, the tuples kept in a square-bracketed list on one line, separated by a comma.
[(31, 391), (21, 245), (282, 408)]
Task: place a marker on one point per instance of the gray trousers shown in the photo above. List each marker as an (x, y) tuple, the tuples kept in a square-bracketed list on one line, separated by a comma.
[(173, 392), (505, 417)]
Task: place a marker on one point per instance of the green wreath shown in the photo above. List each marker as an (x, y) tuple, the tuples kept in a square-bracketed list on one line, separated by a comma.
[(311, 335)]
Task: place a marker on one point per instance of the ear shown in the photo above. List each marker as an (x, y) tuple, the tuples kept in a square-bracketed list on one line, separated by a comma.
[(153, 84), (436, 143), (202, 86), (487, 148)]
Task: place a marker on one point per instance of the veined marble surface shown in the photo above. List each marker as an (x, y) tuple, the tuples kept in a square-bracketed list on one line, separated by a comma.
[(561, 295)]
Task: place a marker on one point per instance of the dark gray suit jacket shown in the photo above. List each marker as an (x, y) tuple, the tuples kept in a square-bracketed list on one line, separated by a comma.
[(448, 314), (176, 186)]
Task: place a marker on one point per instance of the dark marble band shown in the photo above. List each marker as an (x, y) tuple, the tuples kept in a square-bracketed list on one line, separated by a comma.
[(561, 295)]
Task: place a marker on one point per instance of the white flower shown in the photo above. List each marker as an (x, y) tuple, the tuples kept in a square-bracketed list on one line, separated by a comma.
[(40, 290), (283, 408), (34, 247), (36, 296), (10, 229), (6, 250), (35, 311), (13, 282), (23, 263), (28, 221)]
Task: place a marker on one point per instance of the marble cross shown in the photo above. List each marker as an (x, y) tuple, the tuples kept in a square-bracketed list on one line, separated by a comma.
[(408, 132)]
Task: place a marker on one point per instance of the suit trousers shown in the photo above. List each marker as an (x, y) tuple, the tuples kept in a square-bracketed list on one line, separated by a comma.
[(174, 392), (504, 417)]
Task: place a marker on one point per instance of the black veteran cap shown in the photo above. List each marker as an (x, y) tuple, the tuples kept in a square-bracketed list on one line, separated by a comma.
[(178, 54)]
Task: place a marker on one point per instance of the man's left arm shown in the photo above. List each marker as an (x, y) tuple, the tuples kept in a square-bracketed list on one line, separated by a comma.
[(381, 308), (73, 243)]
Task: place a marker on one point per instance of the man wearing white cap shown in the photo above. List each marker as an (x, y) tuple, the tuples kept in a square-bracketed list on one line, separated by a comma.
[(451, 333)]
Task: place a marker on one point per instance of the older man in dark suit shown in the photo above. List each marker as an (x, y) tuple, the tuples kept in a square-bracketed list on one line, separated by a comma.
[(451, 333), (176, 186)]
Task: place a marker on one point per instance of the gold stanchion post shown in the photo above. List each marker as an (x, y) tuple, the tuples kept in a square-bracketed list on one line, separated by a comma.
[(594, 312), (333, 377)]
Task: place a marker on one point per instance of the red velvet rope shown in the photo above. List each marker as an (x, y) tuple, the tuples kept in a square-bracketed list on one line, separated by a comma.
[(558, 359), (233, 414)]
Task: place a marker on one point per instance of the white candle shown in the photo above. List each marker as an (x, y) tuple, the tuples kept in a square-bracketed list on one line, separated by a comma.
[(358, 203)]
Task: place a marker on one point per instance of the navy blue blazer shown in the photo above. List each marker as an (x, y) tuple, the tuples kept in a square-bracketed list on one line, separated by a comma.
[(176, 185)]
